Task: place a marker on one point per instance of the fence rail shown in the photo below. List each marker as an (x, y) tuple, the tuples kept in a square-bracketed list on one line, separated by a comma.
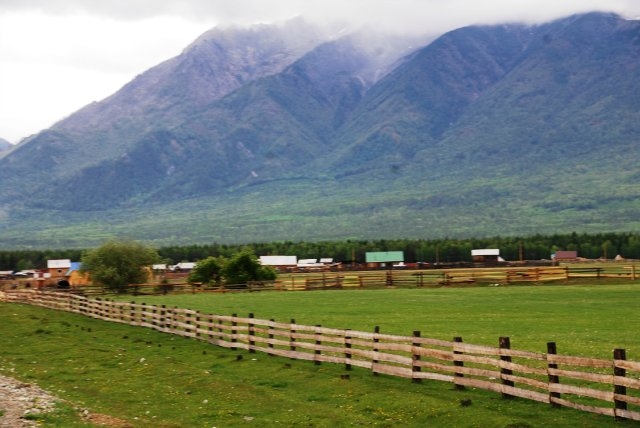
[(395, 278), (605, 386)]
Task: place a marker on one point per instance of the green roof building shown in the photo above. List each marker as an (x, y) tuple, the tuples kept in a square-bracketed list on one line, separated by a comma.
[(384, 258)]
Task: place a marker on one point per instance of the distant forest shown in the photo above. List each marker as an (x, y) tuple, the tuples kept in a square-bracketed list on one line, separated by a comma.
[(537, 247)]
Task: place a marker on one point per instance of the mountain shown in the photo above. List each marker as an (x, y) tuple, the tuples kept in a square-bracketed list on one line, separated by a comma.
[(4, 145), (289, 132)]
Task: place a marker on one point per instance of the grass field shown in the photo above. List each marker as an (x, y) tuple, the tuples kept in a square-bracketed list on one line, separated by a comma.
[(583, 320), (153, 379)]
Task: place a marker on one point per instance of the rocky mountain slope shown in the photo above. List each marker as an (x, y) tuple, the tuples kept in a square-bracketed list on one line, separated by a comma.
[(254, 135)]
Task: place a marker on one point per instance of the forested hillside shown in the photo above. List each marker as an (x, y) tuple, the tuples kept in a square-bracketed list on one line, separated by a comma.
[(261, 135), (596, 246)]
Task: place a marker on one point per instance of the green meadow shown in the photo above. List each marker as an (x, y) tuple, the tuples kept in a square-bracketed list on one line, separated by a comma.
[(589, 320), (151, 379)]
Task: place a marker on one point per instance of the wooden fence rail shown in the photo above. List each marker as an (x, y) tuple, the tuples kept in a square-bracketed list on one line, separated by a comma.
[(603, 386)]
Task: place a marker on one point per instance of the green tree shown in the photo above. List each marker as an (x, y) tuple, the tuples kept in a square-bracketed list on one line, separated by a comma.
[(244, 267), (207, 271), (117, 264)]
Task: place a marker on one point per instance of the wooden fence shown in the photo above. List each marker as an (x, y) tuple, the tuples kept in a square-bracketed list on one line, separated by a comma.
[(604, 386), (451, 277), (397, 278)]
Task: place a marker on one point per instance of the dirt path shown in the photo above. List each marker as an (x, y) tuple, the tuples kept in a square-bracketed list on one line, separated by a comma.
[(18, 400)]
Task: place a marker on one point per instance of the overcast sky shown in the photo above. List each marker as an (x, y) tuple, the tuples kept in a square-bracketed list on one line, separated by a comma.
[(58, 55)]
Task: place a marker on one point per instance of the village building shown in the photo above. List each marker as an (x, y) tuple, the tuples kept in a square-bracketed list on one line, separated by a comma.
[(486, 255), (564, 256), (384, 259), (76, 277), (280, 263)]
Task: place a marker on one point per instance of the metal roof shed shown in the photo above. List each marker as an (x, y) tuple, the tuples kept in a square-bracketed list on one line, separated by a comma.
[(384, 257)]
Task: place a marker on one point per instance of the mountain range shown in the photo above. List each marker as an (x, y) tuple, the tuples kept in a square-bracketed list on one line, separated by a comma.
[(296, 132)]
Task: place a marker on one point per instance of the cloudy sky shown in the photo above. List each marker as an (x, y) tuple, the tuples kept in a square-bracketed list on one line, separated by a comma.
[(59, 55)]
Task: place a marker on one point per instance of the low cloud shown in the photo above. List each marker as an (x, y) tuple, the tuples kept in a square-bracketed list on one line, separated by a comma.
[(59, 55)]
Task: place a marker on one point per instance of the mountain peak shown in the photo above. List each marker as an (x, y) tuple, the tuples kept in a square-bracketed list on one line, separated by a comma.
[(270, 132)]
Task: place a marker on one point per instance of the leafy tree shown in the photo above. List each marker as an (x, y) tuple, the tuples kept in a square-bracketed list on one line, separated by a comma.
[(244, 267), (207, 271), (117, 264)]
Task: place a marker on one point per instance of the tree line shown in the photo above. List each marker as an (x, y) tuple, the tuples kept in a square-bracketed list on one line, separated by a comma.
[(536, 247)]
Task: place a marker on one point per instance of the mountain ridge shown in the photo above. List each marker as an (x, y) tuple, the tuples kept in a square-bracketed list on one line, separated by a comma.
[(485, 129)]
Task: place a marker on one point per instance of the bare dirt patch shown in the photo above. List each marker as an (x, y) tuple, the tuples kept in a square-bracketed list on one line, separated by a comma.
[(21, 403)]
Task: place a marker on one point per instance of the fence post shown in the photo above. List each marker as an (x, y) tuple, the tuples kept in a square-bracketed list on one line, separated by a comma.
[(198, 334), (389, 280), (132, 314), (292, 340), (376, 331), (458, 363), (415, 358), (188, 329), (252, 333), (505, 343), (619, 390), (234, 331), (210, 328), (551, 350), (347, 353), (318, 342), (271, 336), (166, 316)]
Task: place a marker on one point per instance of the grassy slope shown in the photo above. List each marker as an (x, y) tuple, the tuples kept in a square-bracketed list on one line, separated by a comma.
[(154, 379)]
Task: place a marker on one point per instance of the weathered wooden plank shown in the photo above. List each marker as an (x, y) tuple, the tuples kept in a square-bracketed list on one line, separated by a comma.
[(526, 381), (435, 366), (478, 359), (473, 371), (433, 376), (433, 342), (628, 365), (542, 397), (402, 347), (475, 349), (479, 383), (433, 353), (592, 377), (361, 343), (522, 368), (627, 398), (393, 358), (627, 414), (403, 372), (627, 381), (581, 391), (579, 361), (585, 408), (361, 363)]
